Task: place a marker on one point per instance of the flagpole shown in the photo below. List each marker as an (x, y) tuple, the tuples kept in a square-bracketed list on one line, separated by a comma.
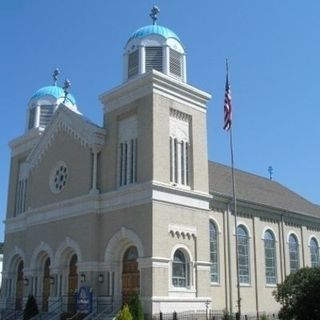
[(235, 223), (229, 126)]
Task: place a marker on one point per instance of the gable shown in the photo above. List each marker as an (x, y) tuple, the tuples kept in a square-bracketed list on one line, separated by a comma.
[(73, 124), (64, 172)]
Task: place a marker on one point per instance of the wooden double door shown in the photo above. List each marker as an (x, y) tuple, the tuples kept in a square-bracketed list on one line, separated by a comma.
[(130, 275)]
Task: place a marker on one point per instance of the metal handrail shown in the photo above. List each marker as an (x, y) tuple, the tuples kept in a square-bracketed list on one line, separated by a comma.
[(115, 309)]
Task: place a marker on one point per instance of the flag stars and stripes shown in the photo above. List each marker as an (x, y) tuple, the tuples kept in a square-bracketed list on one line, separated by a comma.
[(227, 107)]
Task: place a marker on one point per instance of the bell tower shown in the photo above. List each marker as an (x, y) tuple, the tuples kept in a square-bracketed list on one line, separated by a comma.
[(161, 120)]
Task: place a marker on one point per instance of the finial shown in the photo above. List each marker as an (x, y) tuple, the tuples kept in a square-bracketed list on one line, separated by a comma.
[(270, 169), (154, 14), (55, 74), (66, 86)]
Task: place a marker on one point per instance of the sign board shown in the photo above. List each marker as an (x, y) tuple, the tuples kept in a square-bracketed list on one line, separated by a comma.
[(84, 300)]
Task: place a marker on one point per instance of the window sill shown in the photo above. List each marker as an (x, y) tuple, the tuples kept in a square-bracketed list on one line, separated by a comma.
[(180, 186), (271, 285), (248, 285), (215, 284)]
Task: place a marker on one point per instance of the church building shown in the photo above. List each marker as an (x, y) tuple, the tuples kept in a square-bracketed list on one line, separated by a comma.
[(135, 207)]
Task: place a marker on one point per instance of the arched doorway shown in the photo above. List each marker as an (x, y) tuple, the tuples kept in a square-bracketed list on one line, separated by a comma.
[(46, 285), (19, 286), (72, 283), (130, 274)]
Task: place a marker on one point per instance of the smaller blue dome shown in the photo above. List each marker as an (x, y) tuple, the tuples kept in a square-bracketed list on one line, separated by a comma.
[(54, 91), (153, 29)]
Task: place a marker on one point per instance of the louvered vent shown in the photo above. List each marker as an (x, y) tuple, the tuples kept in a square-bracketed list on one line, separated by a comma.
[(175, 63), (133, 64), (32, 113), (45, 115), (153, 58)]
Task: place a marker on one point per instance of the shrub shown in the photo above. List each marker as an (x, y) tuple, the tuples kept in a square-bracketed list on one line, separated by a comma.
[(264, 317), (31, 308), (299, 295), (124, 313), (227, 315), (135, 308)]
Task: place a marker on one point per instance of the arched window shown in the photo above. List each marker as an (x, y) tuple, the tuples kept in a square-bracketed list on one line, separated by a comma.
[(214, 271), (243, 254), (314, 252), (293, 253), (180, 270), (270, 257)]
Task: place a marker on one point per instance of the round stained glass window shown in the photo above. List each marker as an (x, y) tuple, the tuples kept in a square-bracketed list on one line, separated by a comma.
[(58, 177)]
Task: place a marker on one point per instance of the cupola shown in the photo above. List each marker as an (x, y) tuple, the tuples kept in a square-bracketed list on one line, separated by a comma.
[(154, 47), (45, 101)]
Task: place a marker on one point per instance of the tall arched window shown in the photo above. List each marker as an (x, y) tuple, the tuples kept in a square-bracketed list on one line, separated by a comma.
[(293, 253), (180, 270), (243, 254), (270, 257), (214, 271), (314, 252)]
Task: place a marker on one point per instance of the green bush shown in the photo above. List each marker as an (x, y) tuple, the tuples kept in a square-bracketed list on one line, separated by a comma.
[(264, 317), (227, 315), (135, 308), (124, 313), (299, 295), (31, 308)]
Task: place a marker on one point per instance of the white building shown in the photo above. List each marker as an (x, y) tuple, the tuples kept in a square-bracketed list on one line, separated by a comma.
[(135, 206)]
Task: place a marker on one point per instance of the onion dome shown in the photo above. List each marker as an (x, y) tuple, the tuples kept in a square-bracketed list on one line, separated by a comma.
[(54, 92), (154, 47), (45, 101)]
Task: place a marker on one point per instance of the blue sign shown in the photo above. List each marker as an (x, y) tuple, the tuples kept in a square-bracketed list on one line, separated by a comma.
[(84, 300)]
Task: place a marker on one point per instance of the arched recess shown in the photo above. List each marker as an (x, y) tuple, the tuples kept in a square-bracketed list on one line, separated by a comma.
[(40, 254), (115, 254), (65, 252), (120, 241), (11, 262)]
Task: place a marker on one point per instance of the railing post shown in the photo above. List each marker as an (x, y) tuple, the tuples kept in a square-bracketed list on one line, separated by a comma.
[(174, 316), (161, 315)]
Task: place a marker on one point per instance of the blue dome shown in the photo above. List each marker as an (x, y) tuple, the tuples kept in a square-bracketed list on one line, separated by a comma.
[(54, 91), (153, 29)]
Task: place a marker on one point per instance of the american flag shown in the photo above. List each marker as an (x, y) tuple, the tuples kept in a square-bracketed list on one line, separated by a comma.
[(227, 107)]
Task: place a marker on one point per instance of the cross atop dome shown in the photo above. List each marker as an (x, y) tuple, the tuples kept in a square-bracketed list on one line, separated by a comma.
[(55, 75), (154, 14), (154, 47)]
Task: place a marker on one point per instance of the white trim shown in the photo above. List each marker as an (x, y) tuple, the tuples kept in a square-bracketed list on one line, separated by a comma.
[(125, 237), (16, 252), (42, 247), (268, 228), (26, 142), (72, 123), (241, 223), (297, 237), (214, 220), (67, 245), (182, 230), (157, 82), (129, 196), (311, 237)]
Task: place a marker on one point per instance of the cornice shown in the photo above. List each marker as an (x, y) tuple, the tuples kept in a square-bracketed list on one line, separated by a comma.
[(134, 195), (25, 142), (154, 82), (75, 125)]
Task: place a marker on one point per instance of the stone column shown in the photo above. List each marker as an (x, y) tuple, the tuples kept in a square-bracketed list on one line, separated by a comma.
[(95, 151)]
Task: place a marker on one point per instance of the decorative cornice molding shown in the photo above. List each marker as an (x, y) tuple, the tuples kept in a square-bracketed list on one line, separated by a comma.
[(182, 231), (72, 123), (154, 82)]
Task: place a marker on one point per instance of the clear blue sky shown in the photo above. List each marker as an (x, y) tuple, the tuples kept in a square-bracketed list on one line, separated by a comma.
[(273, 48)]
